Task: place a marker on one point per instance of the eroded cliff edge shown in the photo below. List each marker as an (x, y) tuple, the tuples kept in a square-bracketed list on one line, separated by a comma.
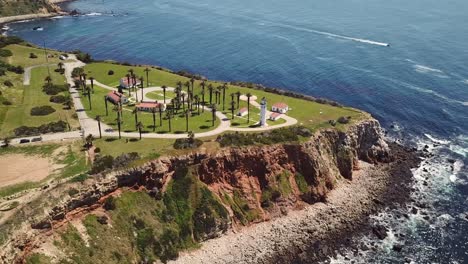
[(252, 184)]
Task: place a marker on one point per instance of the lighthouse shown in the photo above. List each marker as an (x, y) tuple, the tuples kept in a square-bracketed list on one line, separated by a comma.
[(263, 109)]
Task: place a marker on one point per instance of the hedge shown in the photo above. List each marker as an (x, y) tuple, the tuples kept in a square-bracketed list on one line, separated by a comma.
[(42, 110)]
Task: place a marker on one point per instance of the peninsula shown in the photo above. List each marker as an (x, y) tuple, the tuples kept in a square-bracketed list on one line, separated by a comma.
[(139, 164)]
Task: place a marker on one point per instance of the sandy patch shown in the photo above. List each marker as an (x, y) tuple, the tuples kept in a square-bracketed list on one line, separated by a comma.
[(17, 168)]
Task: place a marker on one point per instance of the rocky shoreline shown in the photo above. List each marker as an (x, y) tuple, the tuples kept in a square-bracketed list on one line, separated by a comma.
[(319, 231)]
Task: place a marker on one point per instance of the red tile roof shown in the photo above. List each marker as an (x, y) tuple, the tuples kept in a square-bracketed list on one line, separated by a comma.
[(280, 105), (115, 96), (148, 105)]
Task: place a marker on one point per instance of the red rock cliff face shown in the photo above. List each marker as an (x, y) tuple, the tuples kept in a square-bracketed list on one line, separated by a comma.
[(244, 177)]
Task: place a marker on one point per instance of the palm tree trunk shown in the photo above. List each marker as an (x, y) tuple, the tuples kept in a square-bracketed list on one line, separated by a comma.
[(99, 126), (89, 100), (248, 110), (154, 121)]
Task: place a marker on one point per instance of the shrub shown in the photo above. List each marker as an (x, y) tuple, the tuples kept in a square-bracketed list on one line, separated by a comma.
[(76, 72), (32, 56), (52, 127), (58, 99), (332, 122), (97, 150), (16, 69), (109, 204), (344, 120), (186, 143), (5, 53), (8, 83), (61, 71), (80, 178), (42, 110), (6, 102), (84, 57), (290, 134), (8, 40), (53, 89), (102, 163), (110, 72)]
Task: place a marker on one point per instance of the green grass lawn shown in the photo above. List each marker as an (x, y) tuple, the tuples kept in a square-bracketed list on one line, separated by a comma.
[(146, 147), (197, 123), (21, 56), (310, 114), (158, 95), (24, 98)]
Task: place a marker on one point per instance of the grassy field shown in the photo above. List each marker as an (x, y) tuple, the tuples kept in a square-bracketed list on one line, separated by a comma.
[(23, 98), (197, 123), (310, 114), (21, 56)]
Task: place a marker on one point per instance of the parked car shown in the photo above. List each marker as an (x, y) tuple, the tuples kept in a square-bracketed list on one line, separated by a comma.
[(109, 130), (36, 139), (24, 140)]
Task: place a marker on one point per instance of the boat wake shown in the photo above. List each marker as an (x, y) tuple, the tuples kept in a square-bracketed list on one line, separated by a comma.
[(366, 41)]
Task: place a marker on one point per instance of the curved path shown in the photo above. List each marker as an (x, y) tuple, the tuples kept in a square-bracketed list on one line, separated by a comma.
[(90, 126), (27, 72)]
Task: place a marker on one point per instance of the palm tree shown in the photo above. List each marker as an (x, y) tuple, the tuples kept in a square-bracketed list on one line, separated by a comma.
[(202, 84), (192, 81), (135, 112), (128, 84), (190, 100), (117, 109), (92, 83), (48, 79), (187, 84), (153, 111), (197, 102), (224, 88), (60, 65), (160, 115), (233, 106), (213, 112), (147, 70), (141, 82), (210, 89), (89, 141), (217, 94), (88, 93), (187, 113), (98, 119), (203, 99), (169, 116), (238, 94), (183, 101), (105, 102), (140, 128), (248, 106), (164, 87)]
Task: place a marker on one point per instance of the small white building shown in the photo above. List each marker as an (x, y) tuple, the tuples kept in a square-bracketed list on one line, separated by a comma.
[(280, 108), (149, 106), (243, 111), (116, 98), (275, 116), (125, 84)]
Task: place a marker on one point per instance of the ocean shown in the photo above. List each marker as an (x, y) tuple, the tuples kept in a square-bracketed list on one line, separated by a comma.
[(406, 62)]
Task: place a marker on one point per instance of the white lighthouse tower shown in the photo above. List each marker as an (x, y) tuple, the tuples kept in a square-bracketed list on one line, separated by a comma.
[(263, 109)]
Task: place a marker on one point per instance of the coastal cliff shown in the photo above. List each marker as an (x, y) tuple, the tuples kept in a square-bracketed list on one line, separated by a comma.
[(246, 185)]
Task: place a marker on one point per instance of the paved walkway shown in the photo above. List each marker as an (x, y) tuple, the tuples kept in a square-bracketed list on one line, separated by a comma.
[(27, 72), (90, 126)]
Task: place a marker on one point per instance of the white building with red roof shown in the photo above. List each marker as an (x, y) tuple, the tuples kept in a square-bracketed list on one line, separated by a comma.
[(280, 108), (125, 84), (116, 97), (275, 116), (149, 106), (243, 111)]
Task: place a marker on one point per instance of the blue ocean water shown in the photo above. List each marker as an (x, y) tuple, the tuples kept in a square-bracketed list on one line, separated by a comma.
[(417, 87)]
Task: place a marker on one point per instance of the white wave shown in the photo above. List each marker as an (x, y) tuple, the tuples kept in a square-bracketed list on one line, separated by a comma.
[(367, 41), (94, 14), (426, 69), (435, 140), (57, 17), (465, 81), (289, 42)]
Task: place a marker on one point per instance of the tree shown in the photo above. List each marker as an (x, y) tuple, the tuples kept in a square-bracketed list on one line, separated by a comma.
[(203, 100), (98, 119), (135, 112), (141, 86), (140, 128), (60, 65), (238, 94), (105, 102), (213, 112), (202, 84), (68, 103), (164, 87), (197, 102), (84, 80), (89, 141), (117, 108), (91, 79), (183, 101), (233, 106), (248, 106), (217, 95), (187, 114), (48, 79), (128, 84), (153, 111), (88, 93), (192, 81), (169, 116), (147, 70), (210, 89), (160, 115), (224, 88)]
